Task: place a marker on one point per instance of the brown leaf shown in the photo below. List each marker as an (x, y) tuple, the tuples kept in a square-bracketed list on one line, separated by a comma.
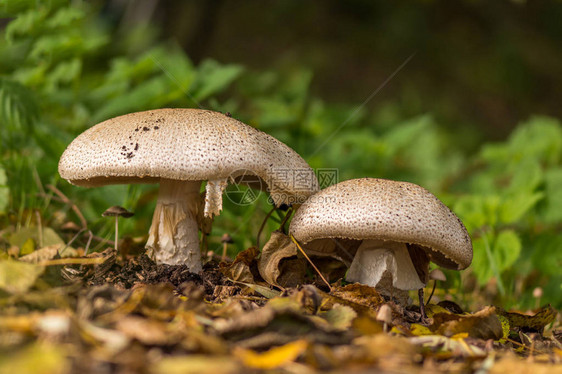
[(273, 358), (514, 365), (49, 253), (278, 263), (146, 331), (484, 324), (240, 269), (358, 296), (535, 322)]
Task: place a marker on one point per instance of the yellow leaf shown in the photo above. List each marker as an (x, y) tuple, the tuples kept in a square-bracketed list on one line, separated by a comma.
[(17, 276), (273, 358), (460, 336), (536, 322), (196, 364), (27, 247), (36, 358), (432, 309), (419, 330), (505, 326), (366, 325)]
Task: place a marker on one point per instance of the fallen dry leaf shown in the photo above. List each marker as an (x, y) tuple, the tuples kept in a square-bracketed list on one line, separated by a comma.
[(240, 269), (484, 324), (535, 322), (273, 358), (17, 277), (515, 365), (49, 253), (196, 364), (278, 264)]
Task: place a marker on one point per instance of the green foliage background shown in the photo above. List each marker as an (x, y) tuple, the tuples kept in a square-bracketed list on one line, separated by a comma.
[(61, 72)]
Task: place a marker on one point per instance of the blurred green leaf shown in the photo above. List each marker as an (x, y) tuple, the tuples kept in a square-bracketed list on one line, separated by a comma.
[(477, 211), (4, 191), (546, 253), (495, 254), (18, 277), (18, 113), (514, 207), (213, 77), (553, 209)]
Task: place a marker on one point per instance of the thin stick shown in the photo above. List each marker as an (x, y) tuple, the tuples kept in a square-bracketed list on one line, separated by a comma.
[(432, 291), (73, 261), (73, 206), (89, 242), (224, 248), (39, 228), (282, 225), (422, 306), (310, 261), (263, 225), (71, 241)]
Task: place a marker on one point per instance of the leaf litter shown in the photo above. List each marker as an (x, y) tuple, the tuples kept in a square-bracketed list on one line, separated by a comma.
[(62, 311)]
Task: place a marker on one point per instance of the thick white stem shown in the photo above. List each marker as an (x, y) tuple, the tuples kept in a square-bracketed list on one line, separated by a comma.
[(376, 258), (173, 236), (213, 197)]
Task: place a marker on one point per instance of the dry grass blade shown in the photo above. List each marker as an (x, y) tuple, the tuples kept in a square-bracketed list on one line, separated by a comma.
[(310, 261), (73, 206)]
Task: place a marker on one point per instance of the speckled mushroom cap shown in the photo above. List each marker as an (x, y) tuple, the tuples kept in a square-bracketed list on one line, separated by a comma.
[(382, 209), (182, 144)]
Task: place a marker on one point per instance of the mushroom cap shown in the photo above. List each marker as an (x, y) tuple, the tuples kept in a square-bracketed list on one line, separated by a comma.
[(370, 208), (184, 144), (117, 211)]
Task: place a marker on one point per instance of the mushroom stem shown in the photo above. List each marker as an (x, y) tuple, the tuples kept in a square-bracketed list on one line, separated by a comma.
[(377, 259), (116, 233), (173, 236), (422, 306), (213, 197)]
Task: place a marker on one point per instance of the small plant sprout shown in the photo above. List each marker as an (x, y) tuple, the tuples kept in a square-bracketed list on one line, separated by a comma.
[(537, 294), (435, 275), (117, 211), (225, 240)]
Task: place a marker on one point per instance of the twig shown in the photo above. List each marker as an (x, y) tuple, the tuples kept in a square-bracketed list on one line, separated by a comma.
[(89, 242), (263, 225), (282, 225), (431, 294), (70, 241), (310, 261), (39, 228), (37, 181), (73, 261), (73, 206)]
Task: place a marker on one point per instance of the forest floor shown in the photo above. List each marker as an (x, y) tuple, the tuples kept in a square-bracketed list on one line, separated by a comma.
[(105, 313)]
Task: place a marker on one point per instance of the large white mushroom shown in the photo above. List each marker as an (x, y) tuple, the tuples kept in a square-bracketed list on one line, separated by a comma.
[(401, 226), (178, 149)]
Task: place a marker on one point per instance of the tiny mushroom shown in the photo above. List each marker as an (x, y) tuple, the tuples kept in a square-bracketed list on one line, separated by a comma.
[(225, 240), (179, 149), (398, 227), (117, 211)]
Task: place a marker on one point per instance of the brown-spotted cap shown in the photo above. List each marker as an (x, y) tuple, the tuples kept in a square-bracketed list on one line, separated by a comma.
[(181, 144), (370, 208)]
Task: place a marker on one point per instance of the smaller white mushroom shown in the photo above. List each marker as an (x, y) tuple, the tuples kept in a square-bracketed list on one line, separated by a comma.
[(401, 226)]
